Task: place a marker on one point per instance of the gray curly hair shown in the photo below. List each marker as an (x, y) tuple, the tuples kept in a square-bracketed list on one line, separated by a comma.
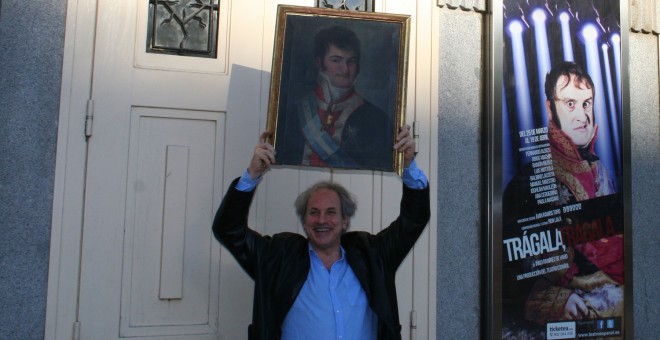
[(346, 200)]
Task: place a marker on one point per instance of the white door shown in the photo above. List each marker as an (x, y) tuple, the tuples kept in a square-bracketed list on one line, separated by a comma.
[(158, 154), (169, 134)]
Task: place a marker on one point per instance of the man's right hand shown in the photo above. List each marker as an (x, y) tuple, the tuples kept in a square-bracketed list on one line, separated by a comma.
[(263, 157), (575, 308)]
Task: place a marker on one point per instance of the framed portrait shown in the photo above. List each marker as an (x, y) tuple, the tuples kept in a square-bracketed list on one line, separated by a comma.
[(559, 238), (338, 88)]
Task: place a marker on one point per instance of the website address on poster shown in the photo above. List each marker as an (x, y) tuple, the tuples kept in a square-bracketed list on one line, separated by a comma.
[(542, 271), (599, 334)]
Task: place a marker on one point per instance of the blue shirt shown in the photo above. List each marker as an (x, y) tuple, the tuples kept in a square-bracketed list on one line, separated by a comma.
[(413, 177), (330, 306)]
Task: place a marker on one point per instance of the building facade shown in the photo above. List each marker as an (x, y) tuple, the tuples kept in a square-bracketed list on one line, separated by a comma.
[(31, 68)]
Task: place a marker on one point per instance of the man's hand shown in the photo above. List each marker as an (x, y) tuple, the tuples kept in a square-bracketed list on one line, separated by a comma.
[(263, 157), (405, 143), (575, 308)]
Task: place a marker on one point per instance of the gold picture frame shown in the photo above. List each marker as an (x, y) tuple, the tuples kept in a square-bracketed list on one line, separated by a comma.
[(343, 109)]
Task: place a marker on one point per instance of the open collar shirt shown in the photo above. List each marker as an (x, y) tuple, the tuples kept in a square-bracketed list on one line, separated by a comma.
[(330, 306)]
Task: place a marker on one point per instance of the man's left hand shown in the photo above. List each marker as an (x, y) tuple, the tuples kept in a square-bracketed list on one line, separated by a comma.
[(405, 143)]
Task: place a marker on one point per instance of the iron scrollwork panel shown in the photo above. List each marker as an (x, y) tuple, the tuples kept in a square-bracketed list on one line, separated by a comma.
[(183, 27)]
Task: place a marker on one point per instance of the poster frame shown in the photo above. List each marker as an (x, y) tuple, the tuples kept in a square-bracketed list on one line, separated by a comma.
[(493, 196)]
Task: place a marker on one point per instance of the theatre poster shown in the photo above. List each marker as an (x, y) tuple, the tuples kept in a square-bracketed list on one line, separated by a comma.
[(559, 225)]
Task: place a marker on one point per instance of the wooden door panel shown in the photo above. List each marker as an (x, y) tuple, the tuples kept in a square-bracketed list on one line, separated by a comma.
[(156, 173), (170, 271), (170, 133)]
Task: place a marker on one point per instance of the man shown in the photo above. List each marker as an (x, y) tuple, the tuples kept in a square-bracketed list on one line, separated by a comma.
[(334, 284), (334, 126), (572, 135), (579, 176)]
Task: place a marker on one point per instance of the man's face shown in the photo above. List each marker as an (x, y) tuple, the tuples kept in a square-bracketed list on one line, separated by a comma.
[(574, 105), (324, 223), (341, 66)]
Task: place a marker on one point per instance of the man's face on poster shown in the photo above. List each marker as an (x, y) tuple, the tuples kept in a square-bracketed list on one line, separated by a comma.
[(341, 66), (574, 109)]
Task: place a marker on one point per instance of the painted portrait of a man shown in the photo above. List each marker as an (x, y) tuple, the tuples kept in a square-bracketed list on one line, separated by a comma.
[(338, 94)]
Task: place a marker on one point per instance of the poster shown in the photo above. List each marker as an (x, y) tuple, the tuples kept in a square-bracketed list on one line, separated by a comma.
[(562, 237)]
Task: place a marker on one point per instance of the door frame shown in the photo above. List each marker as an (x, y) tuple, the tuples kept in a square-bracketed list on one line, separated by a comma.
[(424, 56), (70, 166), (70, 169)]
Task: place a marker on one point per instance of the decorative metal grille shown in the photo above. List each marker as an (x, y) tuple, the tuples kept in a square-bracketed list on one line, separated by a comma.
[(353, 5), (183, 27)]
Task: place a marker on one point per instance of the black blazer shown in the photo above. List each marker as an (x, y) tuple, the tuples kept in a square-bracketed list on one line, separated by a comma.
[(279, 264)]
